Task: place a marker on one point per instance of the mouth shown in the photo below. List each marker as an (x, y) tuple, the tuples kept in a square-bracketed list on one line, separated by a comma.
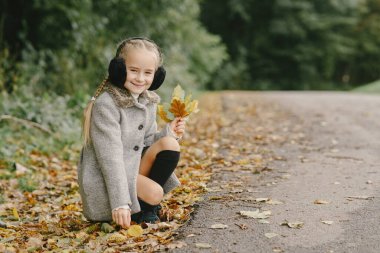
[(138, 85)]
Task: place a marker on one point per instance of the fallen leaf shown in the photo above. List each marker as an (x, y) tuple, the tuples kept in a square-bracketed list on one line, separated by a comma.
[(256, 214), (107, 228), (274, 202), (34, 242), (3, 224), (261, 199), (360, 197), (117, 238), (328, 222), (15, 213), (176, 245), (219, 226), (320, 202), (202, 245), (270, 235), (263, 221), (20, 169), (277, 250), (242, 226), (295, 224), (135, 231)]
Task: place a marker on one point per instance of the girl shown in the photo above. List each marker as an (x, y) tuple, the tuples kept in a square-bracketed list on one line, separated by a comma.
[(126, 166)]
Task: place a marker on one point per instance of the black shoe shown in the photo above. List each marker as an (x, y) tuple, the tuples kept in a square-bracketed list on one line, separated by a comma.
[(157, 209), (149, 216), (136, 217)]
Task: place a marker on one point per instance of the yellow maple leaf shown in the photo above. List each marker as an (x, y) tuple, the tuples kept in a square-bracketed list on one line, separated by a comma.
[(180, 106), (161, 112), (192, 106), (178, 92)]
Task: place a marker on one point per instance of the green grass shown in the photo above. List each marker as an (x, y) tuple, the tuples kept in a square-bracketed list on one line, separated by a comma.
[(373, 87)]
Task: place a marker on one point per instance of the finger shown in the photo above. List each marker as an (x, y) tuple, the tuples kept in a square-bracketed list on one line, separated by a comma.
[(125, 220), (180, 132), (180, 127), (113, 217), (181, 124), (129, 220), (120, 219), (116, 218)]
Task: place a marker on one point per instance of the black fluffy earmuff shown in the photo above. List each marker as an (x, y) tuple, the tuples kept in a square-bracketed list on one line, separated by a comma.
[(117, 71)]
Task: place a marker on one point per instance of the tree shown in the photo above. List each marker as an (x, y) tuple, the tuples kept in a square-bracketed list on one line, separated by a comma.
[(296, 44)]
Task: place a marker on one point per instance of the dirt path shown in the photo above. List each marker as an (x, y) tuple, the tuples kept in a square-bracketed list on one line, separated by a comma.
[(294, 149)]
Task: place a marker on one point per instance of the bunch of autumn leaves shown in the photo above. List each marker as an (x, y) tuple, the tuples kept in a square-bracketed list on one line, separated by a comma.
[(180, 106)]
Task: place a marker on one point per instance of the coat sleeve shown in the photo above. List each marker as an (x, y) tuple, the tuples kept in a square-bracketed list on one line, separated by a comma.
[(153, 135), (106, 138)]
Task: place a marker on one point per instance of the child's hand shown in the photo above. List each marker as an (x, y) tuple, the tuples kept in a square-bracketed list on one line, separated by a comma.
[(178, 126), (122, 217)]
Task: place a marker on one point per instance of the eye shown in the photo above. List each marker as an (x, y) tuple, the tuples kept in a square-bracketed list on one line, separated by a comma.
[(148, 73)]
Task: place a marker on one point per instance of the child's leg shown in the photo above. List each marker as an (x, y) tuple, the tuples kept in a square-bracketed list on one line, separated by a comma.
[(148, 190), (166, 143), (157, 164)]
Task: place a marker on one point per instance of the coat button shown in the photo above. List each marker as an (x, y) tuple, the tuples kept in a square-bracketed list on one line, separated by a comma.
[(135, 148), (141, 127)]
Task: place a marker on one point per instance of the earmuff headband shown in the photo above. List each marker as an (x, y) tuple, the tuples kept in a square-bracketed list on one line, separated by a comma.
[(117, 71)]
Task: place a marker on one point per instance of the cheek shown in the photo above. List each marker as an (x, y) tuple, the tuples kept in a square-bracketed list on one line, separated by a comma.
[(150, 78)]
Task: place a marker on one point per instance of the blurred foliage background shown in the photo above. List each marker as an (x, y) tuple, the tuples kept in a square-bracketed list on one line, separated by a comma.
[(53, 54)]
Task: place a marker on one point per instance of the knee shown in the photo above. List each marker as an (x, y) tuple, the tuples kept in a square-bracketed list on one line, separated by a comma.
[(169, 143), (156, 195)]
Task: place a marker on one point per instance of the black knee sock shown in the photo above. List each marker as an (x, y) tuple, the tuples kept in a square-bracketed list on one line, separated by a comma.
[(145, 206), (164, 165)]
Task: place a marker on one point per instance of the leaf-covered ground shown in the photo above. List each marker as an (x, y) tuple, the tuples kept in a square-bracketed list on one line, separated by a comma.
[(40, 208)]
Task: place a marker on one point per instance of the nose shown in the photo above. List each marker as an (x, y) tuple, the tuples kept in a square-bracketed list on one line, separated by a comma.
[(140, 77)]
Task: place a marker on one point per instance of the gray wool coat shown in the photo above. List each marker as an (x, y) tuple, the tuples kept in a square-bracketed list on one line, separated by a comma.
[(108, 167)]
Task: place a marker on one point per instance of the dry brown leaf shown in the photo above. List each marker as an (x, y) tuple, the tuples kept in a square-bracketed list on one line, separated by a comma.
[(242, 226), (178, 108), (261, 199), (328, 222), (274, 202), (320, 202), (294, 224), (219, 226), (256, 214), (270, 235), (360, 197), (202, 245)]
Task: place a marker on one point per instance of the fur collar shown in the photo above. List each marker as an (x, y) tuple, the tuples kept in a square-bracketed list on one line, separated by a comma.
[(123, 98)]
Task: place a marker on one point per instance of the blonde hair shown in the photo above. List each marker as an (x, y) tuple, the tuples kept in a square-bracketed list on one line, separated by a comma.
[(123, 48)]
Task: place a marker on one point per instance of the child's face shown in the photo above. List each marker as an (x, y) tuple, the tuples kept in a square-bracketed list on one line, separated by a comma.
[(141, 65)]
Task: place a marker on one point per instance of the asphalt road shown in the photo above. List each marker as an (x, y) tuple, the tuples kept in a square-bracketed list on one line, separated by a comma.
[(316, 146)]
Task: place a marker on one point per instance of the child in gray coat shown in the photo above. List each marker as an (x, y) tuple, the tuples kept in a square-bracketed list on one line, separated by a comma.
[(126, 166)]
